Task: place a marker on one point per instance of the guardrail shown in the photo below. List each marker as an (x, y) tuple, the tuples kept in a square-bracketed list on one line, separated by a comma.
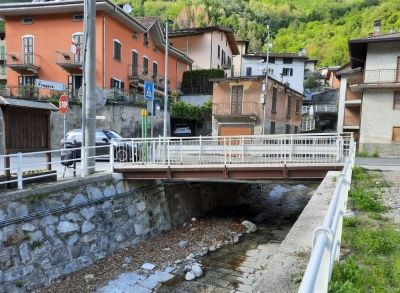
[(327, 238), (241, 150), (307, 124), (32, 167)]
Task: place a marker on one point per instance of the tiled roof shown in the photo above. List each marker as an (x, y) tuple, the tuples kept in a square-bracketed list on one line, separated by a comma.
[(380, 37), (146, 21)]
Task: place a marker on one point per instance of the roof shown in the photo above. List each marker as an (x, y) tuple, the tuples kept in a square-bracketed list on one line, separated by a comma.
[(71, 6), (194, 31), (253, 77), (146, 21), (276, 55), (358, 47), (6, 102)]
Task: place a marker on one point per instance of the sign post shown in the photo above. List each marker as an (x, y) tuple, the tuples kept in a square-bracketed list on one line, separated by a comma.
[(63, 106), (149, 95)]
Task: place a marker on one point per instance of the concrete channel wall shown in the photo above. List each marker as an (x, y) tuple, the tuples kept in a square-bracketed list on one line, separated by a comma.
[(54, 230)]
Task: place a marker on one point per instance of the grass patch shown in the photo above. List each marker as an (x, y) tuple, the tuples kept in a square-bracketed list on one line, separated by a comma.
[(373, 264)]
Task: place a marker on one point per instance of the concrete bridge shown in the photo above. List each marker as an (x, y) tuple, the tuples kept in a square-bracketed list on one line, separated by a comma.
[(290, 156)]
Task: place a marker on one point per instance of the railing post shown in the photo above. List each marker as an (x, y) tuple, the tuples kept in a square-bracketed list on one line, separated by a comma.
[(20, 173), (200, 148), (291, 148), (112, 155), (181, 142), (83, 159), (168, 152), (225, 154)]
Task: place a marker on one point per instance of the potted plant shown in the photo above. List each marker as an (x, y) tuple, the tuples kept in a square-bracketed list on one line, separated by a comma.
[(14, 57), (66, 56)]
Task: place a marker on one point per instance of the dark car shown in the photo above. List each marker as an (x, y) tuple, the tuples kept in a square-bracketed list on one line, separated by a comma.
[(123, 148)]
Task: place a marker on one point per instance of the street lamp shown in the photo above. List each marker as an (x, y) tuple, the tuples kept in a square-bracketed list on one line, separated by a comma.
[(167, 21), (266, 88)]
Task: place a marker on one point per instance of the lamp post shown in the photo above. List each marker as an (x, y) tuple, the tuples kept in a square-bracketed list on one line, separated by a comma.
[(266, 88), (167, 22)]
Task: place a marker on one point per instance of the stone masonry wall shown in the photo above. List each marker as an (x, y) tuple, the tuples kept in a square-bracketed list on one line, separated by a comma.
[(51, 231), (383, 149)]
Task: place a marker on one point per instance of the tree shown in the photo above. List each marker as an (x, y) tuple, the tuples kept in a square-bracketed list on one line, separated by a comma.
[(311, 83)]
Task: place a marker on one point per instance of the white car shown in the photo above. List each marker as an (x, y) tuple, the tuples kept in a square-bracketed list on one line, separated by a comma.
[(182, 129)]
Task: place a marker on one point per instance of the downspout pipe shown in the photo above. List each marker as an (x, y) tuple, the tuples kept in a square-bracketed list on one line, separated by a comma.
[(104, 46)]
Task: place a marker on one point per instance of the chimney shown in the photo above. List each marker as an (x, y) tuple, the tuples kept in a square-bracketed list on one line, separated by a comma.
[(377, 27)]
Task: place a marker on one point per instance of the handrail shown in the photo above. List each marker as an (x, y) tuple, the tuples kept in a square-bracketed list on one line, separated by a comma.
[(327, 238)]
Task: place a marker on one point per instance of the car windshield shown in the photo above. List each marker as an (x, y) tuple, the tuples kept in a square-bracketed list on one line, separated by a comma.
[(113, 134)]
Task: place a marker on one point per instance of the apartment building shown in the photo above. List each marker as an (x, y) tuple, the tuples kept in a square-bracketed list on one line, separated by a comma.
[(369, 103)]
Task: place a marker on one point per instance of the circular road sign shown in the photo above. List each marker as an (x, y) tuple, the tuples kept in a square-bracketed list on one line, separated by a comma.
[(63, 104)]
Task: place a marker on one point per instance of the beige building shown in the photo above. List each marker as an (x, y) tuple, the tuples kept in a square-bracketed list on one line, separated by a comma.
[(369, 103), (238, 60), (238, 106), (209, 47)]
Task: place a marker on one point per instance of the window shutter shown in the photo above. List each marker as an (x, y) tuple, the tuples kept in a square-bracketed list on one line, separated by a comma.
[(122, 85), (20, 80), (111, 82), (396, 101), (70, 89)]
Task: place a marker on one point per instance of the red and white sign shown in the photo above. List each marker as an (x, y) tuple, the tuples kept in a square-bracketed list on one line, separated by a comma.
[(75, 48), (63, 104)]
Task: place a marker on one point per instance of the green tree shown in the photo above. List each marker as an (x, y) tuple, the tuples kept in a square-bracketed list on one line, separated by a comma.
[(311, 83)]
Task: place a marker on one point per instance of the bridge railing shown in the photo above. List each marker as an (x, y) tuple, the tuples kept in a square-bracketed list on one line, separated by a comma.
[(327, 238), (241, 150)]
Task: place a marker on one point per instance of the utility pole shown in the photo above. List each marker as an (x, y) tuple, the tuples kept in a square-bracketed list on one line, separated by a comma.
[(266, 82), (90, 87), (166, 114)]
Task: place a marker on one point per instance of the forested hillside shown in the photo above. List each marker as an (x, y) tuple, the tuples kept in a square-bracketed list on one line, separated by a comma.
[(322, 27)]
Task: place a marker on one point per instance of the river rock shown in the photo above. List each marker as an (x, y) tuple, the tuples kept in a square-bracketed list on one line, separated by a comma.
[(212, 248), (249, 226), (190, 276), (196, 269), (183, 243)]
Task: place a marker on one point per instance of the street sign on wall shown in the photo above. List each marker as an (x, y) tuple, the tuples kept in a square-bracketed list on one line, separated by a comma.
[(51, 85), (63, 104)]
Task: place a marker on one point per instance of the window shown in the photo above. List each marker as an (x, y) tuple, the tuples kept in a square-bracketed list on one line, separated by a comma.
[(117, 50), (272, 130), (135, 37), (219, 54), (3, 69), (274, 98), (248, 71), (27, 20), (396, 101), (78, 40), (396, 134), (271, 60), (289, 106), (28, 49), (77, 17), (155, 71), (236, 99), (145, 39), (287, 130), (297, 106), (287, 60), (226, 43), (145, 66), (296, 129), (2, 52), (287, 72), (116, 83), (223, 61)]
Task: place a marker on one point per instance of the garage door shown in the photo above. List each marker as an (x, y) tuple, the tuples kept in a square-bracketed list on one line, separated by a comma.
[(235, 130)]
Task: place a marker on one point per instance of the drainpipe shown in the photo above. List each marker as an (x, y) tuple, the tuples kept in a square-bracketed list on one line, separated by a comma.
[(211, 48), (104, 47)]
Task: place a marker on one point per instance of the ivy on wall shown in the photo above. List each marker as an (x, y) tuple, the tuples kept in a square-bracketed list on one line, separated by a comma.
[(198, 81), (186, 111)]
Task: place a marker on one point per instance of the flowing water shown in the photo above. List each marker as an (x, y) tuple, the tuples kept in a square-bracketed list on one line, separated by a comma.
[(274, 209)]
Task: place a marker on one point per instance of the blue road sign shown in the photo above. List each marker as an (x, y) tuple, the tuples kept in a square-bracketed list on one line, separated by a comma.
[(148, 90)]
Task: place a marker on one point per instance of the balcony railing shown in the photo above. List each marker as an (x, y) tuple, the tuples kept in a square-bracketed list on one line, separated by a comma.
[(323, 108), (379, 76), (307, 124), (226, 63), (23, 60), (141, 73), (67, 60), (233, 109)]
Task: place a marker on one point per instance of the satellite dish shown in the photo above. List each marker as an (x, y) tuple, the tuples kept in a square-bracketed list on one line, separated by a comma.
[(127, 8), (100, 94)]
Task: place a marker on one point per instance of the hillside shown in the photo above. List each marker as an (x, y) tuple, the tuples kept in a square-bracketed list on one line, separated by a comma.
[(322, 27)]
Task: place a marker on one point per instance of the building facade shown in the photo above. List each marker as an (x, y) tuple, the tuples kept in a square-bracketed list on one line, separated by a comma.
[(238, 107), (209, 47), (369, 103), (128, 51)]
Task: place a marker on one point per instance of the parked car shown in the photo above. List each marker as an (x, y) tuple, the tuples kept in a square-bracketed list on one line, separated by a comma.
[(123, 148), (182, 129)]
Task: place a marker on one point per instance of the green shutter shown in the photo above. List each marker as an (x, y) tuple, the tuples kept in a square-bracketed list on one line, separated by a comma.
[(2, 52)]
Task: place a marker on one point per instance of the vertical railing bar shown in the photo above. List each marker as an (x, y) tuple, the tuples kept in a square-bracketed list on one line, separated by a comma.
[(20, 173)]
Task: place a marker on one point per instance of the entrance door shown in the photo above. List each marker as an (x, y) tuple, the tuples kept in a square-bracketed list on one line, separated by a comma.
[(237, 99), (28, 50), (135, 58)]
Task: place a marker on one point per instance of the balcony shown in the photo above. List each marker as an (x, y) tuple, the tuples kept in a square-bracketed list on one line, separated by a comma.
[(351, 122), (68, 61), (139, 74), (380, 79), (226, 63), (19, 61), (248, 109)]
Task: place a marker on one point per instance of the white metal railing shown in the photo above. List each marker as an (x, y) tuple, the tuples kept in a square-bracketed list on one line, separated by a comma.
[(307, 124), (24, 166), (241, 150), (327, 238), (322, 108)]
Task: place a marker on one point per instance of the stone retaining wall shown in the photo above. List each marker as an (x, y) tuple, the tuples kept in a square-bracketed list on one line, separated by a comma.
[(383, 149), (57, 229)]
